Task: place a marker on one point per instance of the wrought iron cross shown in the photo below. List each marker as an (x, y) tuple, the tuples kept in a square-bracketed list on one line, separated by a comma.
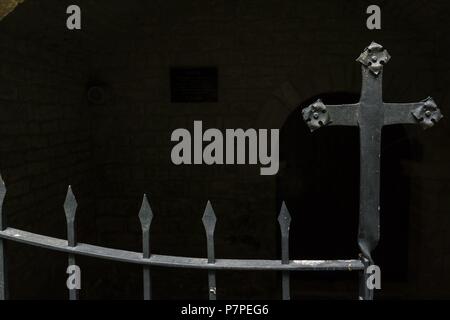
[(370, 114)]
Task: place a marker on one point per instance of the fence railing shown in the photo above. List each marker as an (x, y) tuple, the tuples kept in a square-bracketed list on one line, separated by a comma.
[(147, 259)]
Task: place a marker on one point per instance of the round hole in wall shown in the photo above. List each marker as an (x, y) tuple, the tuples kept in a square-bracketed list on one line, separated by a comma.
[(96, 95)]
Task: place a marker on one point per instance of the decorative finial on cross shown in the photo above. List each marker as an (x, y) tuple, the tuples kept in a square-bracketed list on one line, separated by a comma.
[(427, 114), (316, 115), (374, 57)]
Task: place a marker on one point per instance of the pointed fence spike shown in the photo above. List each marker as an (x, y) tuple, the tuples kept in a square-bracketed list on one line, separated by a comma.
[(70, 205), (145, 213), (209, 222), (146, 217), (284, 219), (70, 208), (209, 219)]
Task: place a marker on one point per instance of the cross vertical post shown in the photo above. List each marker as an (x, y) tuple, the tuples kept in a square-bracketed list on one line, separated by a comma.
[(370, 114), (370, 120)]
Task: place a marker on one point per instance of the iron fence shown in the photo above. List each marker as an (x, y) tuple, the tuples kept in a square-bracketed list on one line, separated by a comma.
[(370, 114), (147, 259)]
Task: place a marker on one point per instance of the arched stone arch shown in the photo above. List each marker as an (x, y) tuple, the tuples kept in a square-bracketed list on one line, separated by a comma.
[(307, 79)]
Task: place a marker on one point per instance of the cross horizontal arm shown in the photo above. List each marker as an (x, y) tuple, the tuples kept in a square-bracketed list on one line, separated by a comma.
[(319, 114), (343, 114), (400, 113), (425, 112)]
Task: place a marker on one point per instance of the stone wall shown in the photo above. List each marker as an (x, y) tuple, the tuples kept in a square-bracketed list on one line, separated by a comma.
[(45, 144)]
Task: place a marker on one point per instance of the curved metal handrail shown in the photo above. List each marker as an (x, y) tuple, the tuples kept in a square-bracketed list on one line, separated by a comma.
[(61, 245)]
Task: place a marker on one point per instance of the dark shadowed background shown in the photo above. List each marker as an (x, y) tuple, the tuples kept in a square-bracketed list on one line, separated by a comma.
[(95, 108)]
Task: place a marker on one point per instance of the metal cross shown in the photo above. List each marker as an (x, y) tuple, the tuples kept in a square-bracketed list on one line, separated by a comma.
[(370, 114)]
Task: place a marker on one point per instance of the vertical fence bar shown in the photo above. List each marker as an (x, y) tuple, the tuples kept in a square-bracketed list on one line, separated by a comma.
[(209, 222), (70, 208), (284, 219), (3, 275), (146, 217), (364, 292)]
